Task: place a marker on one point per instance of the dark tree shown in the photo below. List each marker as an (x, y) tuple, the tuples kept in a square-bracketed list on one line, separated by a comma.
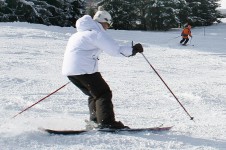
[(48, 12)]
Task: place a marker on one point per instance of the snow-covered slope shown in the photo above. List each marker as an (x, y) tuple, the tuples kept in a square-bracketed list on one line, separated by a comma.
[(31, 57)]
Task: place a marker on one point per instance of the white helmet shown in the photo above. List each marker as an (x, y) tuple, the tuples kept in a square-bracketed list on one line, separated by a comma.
[(102, 16)]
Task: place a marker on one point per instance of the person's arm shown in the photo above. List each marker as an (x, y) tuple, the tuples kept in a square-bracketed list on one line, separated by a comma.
[(110, 46)]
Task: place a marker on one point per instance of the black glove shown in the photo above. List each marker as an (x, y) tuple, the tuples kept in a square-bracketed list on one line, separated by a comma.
[(137, 48)]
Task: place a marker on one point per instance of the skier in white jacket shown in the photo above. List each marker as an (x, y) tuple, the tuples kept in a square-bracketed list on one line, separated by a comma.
[(80, 64)]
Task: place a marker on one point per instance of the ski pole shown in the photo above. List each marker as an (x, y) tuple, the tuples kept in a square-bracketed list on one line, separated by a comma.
[(168, 88), (41, 99)]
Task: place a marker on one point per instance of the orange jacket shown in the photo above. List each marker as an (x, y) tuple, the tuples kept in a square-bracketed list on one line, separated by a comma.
[(186, 32)]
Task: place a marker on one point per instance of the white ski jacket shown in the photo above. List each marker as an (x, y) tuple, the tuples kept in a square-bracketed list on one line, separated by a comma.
[(84, 47)]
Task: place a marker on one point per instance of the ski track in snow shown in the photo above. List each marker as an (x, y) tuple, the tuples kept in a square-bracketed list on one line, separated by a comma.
[(31, 57)]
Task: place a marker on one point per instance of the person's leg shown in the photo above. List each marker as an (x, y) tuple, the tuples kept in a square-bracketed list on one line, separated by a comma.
[(91, 99), (186, 41), (92, 109), (100, 102), (101, 96), (182, 40), (79, 84)]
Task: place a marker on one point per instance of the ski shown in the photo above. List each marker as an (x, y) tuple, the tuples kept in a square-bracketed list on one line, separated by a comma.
[(187, 44), (76, 132)]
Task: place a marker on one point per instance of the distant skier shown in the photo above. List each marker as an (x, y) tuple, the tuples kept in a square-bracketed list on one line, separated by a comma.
[(185, 33), (80, 64)]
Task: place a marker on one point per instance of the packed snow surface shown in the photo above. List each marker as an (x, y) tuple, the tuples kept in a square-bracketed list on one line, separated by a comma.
[(31, 59)]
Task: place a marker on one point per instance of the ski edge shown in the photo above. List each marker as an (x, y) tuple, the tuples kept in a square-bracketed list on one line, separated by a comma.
[(74, 132)]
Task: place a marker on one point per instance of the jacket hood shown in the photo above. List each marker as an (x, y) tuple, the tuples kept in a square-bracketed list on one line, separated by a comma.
[(86, 23)]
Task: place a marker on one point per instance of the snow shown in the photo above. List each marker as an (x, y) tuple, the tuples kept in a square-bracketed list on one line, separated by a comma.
[(31, 59), (26, 2)]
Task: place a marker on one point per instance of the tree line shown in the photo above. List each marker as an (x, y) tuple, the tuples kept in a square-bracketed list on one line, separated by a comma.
[(48, 12), (126, 14), (161, 14)]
